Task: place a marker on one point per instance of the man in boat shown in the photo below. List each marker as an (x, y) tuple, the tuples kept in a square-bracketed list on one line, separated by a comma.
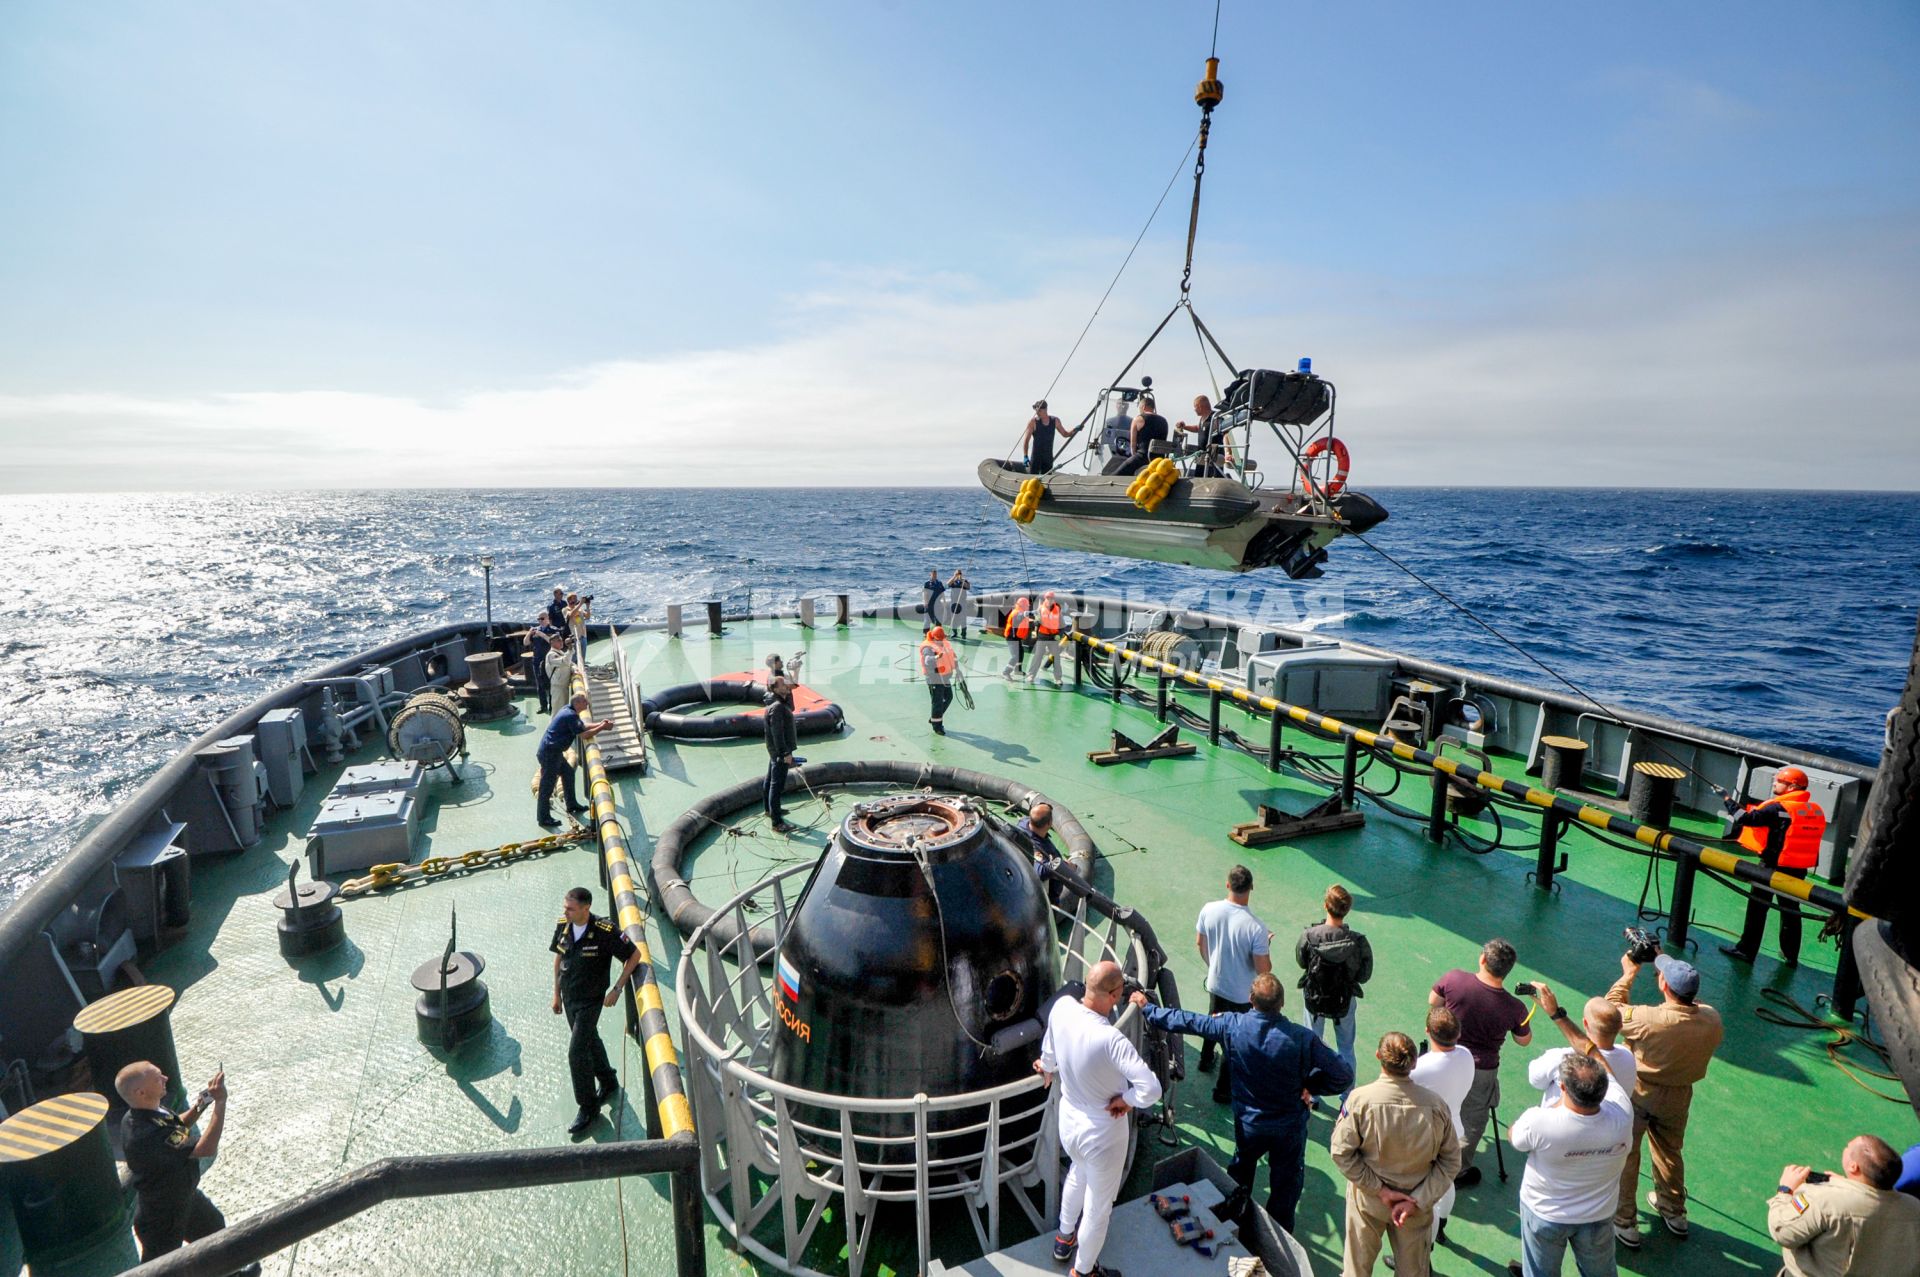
[(1273, 1061), (1037, 443), (938, 663), (1212, 443), (584, 948), (1102, 1078), (1149, 428), (1785, 830), (163, 1157), (1115, 439)]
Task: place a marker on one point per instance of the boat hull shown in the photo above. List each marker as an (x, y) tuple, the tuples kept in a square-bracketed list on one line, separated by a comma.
[(1207, 523)]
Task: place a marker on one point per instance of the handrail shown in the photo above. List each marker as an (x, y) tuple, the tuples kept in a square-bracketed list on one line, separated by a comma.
[(392, 1178), (1660, 840)]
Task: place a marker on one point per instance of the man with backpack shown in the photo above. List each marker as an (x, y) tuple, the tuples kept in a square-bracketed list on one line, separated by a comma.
[(1336, 960)]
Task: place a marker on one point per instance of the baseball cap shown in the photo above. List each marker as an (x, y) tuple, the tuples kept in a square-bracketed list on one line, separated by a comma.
[(1039, 403), (1681, 977)]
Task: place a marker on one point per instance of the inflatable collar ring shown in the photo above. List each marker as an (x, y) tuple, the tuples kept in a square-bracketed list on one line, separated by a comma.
[(812, 714)]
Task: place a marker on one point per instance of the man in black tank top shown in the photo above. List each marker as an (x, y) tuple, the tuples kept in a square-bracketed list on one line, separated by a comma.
[(1038, 441), (1149, 427)]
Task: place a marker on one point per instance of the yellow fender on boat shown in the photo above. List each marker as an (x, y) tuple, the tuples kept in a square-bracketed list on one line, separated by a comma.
[(1026, 503), (1151, 486)]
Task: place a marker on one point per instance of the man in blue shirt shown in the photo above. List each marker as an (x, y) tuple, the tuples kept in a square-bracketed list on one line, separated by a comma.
[(930, 591), (566, 728), (1277, 1064)]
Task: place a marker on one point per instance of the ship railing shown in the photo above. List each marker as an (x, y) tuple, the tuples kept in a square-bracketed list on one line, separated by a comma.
[(400, 1178), (779, 1157), (1559, 814)]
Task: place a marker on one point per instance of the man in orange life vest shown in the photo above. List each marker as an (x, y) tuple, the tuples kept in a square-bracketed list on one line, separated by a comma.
[(1046, 652), (937, 663), (1786, 831), (1019, 630)]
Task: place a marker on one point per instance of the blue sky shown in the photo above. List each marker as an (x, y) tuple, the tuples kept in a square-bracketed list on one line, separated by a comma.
[(260, 244)]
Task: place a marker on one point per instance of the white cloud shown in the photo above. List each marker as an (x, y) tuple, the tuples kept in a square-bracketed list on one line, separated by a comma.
[(1766, 366)]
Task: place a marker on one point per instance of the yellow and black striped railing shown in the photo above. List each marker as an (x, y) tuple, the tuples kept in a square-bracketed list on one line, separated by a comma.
[(1658, 839), (662, 1061)]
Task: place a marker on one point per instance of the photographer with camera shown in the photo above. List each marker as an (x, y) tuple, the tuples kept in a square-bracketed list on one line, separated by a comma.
[(1600, 1020), (1672, 1041), (1853, 1224)]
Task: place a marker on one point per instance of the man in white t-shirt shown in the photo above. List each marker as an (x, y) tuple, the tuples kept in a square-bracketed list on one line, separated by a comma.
[(1102, 1078), (1235, 945), (1575, 1151), (1446, 1069), (1601, 1020)]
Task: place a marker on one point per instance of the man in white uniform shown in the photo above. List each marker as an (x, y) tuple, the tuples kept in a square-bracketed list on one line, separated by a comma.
[(1101, 1078), (1446, 1069)]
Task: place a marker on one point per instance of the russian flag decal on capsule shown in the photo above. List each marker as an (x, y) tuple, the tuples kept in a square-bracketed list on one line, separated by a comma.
[(789, 978)]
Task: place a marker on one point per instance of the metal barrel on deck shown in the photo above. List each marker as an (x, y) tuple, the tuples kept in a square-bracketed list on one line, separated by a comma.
[(56, 1164)]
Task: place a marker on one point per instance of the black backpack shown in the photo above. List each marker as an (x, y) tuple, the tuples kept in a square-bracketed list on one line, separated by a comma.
[(1328, 983)]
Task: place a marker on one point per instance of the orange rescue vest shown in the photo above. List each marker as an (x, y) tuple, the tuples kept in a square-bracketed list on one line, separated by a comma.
[(1049, 620), (942, 656), (1019, 622), (1801, 850)]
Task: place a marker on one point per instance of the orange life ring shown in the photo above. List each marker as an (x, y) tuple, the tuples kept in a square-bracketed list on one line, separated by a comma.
[(1341, 464)]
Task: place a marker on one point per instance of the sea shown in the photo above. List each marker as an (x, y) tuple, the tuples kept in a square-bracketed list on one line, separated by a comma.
[(131, 623)]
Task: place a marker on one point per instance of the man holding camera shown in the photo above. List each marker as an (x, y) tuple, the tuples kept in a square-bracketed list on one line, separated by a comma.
[(1672, 1044), (1487, 1015), (1596, 1036), (1855, 1225), (163, 1158)]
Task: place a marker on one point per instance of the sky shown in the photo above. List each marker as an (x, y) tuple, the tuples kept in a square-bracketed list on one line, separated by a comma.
[(285, 245)]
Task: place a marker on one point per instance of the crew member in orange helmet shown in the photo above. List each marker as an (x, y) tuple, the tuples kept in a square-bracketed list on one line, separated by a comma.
[(1785, 830), (937, 663)]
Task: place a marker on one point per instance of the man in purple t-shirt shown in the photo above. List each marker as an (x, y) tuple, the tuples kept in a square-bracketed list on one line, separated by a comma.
[(1487, 1014)]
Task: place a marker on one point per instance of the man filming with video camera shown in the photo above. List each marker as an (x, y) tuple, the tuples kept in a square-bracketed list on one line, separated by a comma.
[(1672, 1042)]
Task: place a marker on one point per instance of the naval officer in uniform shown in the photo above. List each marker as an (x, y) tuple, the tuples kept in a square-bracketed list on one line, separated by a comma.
[(584, 948), (163, 1157)]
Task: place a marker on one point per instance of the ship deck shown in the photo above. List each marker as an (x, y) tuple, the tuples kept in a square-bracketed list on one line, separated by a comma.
[(327, 1074)]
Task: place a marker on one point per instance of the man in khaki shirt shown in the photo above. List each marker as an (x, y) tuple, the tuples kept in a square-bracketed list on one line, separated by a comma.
[(1394, 1142), (1672, 1044), (1855, 1226)]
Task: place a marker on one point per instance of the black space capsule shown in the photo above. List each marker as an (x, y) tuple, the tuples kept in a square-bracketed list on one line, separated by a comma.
[(918, 958)]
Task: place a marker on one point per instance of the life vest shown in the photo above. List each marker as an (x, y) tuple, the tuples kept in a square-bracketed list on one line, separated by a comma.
[(1019, 623), (943, 658), (1801, 850), (1050, 620)]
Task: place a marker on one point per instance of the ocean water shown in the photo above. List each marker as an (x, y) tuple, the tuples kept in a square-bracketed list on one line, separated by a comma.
[(131, 623)]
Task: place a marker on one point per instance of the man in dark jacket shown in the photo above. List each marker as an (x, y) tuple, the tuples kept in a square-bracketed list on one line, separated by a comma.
[(781, 742), (1336, 961), (163, 1157), (1274, 1063)]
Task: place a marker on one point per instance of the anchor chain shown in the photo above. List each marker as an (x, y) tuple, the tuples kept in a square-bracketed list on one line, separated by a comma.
[(393, 874)]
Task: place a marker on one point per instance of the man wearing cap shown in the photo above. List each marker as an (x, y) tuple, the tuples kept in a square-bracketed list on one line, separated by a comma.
[(1672, 1044), (1786, 830), (1037, 443)]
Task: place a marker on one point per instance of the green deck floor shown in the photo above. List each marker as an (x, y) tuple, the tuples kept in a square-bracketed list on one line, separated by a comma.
[(327, 1075)]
